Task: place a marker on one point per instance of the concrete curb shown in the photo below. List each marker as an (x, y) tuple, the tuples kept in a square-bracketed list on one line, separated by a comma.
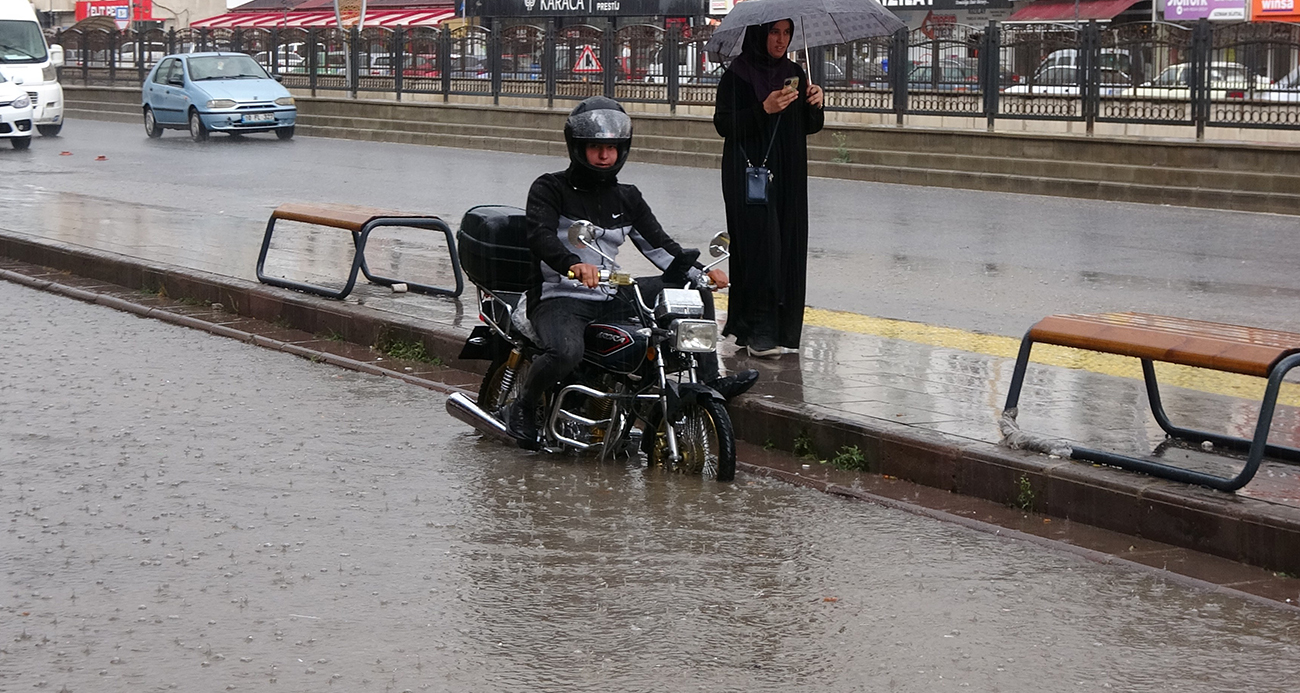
[(1241, 529)]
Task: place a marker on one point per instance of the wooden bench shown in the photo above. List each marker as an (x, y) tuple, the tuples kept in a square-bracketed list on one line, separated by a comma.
[(360, 221), (1248, 350)]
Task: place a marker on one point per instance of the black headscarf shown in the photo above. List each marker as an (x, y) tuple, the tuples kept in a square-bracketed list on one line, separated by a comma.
[(756, 66)]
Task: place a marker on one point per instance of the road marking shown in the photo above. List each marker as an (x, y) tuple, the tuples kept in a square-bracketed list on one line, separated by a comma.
[(1198, 379)]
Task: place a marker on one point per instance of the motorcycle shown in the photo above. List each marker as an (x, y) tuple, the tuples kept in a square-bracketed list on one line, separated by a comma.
[(637, 388)]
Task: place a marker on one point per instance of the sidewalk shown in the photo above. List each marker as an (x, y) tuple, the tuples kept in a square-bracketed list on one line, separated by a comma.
[(918, 412)]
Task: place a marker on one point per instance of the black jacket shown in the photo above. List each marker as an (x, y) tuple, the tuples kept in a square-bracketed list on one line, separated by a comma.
[(619, 213)]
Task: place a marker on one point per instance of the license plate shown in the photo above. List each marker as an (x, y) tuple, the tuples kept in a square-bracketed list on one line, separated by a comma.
[(259, 117)]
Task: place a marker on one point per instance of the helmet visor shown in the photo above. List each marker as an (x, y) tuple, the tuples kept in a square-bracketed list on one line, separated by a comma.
[(603, 125)]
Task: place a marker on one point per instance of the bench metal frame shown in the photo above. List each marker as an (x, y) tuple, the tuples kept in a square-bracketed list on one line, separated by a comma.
[(1256, 447), (359, 238)]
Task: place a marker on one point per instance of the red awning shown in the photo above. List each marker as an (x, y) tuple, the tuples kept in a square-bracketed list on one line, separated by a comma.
[(1063, 10), (273, 20)]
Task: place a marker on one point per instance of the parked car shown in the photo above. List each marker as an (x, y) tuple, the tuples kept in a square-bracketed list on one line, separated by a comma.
[(1108, 58), (421, 65), (288, 61), (1285, 90), (152, 52), (15, 114), (1227, 81), (946, 78), (215, 92), (1063, 80)]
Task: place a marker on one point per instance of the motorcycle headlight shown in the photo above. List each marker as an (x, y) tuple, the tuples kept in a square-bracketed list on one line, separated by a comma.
[(21, 102), (221, 103), (695, 335), (284, 101)]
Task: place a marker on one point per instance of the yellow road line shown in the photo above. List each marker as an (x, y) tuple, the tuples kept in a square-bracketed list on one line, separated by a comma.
[(1199, 379)]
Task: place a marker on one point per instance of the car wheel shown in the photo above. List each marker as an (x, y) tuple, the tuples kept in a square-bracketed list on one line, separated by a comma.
[(198, 131), (49, 130), (151, 126), (284, 133), (21, 142)]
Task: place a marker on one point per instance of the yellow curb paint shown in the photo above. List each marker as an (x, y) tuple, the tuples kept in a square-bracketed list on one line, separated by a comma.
[(1199, 379)]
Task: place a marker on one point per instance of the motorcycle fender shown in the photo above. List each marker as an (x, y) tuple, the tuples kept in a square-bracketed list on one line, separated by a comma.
[(484, 345), (690, 392)]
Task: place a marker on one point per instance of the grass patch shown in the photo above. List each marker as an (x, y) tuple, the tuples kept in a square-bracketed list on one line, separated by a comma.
[(407, 350), (1024, 493), (803, 446), (841, 147), (849, 458)]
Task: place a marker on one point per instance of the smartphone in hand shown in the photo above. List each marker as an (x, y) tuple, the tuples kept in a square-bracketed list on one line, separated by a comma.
[(792, 83)]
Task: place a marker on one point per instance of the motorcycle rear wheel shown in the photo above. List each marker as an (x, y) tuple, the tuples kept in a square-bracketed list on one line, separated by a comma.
[(705, 440), (490, 397)]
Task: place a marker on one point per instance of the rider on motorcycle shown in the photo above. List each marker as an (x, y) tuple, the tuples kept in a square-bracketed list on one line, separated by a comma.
[(599, 136)]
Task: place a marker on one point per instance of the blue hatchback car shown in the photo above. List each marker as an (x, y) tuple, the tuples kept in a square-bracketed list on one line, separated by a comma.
[(215, 92)]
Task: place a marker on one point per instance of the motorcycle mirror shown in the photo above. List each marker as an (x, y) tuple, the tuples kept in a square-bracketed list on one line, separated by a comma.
[(582, 233), (720, 245)]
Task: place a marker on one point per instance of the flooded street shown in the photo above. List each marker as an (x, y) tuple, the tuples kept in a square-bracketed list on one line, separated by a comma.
[(186, 512)]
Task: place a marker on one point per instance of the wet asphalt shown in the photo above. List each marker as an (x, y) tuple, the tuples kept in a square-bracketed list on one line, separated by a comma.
[(987, 262), (187, 512)]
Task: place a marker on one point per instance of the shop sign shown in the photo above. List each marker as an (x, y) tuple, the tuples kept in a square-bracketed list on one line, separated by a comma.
[(118, 10), (1214, 10), (587, 8), (1274, 11), (947, 6)]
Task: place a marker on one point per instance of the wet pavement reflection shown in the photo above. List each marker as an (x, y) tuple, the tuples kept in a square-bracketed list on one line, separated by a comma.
[(189, 508), (955, 391)]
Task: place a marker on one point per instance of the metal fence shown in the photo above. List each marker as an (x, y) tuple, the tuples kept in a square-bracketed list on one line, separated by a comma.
[(1201, 75)]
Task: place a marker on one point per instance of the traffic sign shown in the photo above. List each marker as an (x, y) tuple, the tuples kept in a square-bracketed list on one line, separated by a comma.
[(587, 61)]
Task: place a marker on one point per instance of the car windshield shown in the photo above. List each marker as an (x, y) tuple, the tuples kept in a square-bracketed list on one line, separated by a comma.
[(21, 42), (225, 67)]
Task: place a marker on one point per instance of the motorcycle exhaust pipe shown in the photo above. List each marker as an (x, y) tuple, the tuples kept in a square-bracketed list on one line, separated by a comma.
[(465, 410)]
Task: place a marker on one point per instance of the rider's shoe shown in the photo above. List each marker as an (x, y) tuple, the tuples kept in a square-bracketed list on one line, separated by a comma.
[(522, 425), (735, 385)]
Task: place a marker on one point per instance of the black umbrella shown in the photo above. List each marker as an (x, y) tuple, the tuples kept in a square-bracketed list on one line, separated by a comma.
[(816, 22)]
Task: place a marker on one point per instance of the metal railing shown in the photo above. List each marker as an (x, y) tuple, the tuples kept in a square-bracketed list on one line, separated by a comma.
[(1200, 75)]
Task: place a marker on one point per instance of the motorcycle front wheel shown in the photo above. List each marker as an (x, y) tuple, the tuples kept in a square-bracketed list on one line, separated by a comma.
[(705, 440)]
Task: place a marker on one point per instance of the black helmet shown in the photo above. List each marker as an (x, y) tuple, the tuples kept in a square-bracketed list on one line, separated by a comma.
[(598, 120)]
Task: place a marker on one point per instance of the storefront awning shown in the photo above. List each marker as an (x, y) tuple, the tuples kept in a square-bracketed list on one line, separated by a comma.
[(273, 20), (1063, 11)]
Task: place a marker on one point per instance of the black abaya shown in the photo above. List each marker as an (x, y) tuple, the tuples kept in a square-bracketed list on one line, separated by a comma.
[(769, 243)]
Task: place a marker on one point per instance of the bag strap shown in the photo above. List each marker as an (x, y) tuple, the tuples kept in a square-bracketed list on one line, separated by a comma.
[(770, 144), (736, 126)]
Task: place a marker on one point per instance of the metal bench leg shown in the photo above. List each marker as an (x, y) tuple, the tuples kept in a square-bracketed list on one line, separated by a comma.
[(1280, 452), (415, 287), (1018, 375), (266, 246), (300, 286), (1258, 445)]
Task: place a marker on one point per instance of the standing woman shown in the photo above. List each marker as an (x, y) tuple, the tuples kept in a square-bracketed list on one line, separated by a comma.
[(760, 117)]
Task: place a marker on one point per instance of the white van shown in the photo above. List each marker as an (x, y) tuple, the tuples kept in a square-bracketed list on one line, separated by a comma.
[(26, 61)]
